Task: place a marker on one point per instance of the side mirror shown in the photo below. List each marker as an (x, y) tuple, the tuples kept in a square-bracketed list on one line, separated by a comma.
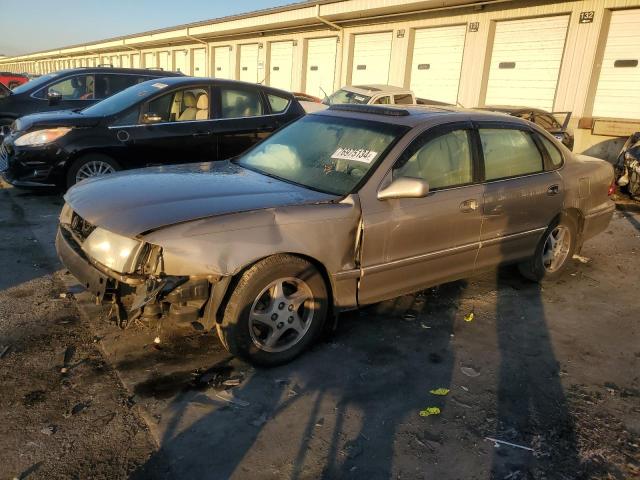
[(405, 187), (151, 118), (54, 98)]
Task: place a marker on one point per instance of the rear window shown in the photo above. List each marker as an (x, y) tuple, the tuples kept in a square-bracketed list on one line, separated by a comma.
[(509, 153), (278, 104), (554, 153), (239, 103)]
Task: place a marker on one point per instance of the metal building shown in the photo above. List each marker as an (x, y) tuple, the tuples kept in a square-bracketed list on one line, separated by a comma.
[(579, 56)]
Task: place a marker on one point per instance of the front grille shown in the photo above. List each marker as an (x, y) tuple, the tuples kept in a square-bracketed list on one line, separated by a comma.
[(81, 227), (4, 158)]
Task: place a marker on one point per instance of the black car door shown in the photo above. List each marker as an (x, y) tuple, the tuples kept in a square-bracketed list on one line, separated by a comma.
[(243, 118), (174, 127)]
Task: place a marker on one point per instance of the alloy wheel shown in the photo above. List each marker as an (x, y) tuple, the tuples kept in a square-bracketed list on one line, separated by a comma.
[(281, 314), (556, 248), (94, 168)]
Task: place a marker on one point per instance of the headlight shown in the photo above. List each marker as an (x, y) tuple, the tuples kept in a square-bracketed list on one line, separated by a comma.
[(41, 137), (112, 250)]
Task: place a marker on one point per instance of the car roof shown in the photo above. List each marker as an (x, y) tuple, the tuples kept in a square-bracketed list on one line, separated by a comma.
[(511, 109), (184, 80), (140, 71), (374, 88), (416, 115)]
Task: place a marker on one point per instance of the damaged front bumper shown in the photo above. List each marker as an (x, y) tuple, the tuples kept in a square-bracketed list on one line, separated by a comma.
[(180, 299)]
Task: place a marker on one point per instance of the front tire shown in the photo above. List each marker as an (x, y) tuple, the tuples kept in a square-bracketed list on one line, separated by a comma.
[(554, 251), (275, 312), (89, 166)]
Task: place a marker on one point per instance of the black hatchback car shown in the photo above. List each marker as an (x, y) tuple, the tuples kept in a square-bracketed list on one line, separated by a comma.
[(70, 89), (162, 121)]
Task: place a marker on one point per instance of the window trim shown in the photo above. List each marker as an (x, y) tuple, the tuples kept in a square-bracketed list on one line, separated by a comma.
[(495, 125), (437, 131)]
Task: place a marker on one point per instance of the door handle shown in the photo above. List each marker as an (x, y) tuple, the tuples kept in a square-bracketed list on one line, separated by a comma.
[(470, 205), (553, 190)]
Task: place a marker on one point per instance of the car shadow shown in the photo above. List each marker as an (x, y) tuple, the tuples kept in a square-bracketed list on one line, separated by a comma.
[(342, 403)]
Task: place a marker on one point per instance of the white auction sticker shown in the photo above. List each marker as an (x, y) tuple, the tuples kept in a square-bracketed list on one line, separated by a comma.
[(354, 154), (160, 85)]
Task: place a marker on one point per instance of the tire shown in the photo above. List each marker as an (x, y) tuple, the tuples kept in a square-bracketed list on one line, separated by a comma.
[(85, 162), (540, 267), (267, 331)]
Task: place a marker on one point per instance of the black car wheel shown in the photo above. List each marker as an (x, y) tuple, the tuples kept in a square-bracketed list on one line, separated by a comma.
[(276, 311), (554, 251), (89, 166)]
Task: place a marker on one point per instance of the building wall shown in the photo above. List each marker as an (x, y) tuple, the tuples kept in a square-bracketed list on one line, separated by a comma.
[(577, 78)]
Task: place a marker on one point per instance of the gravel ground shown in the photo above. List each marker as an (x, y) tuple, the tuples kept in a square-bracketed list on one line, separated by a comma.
[(552, 368)]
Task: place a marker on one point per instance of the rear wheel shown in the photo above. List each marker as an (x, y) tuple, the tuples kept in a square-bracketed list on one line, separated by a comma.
[(554, 251), (89, 166), (276, 311)]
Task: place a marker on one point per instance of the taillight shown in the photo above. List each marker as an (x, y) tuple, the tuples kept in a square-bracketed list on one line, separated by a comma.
[(612, 188)]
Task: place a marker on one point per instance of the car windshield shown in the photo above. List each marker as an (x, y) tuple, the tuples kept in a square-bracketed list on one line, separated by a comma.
[(346, 96), (35, 83), (325, 153), (125, 98)]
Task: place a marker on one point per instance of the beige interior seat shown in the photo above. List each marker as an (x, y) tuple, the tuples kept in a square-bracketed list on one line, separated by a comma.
[(189, 109), (202, 107)]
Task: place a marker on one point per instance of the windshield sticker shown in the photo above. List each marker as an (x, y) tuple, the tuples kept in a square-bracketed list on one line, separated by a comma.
[(359, 98), (159, 85), (355, 154)]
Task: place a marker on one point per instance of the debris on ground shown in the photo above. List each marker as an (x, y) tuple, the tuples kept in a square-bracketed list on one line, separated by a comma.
[(320, 422), (233, 381), (439, 391), (424, 325), (470, 372), (410, 316), (49, 430), (469, 316), (581, 259), (228, 397), (460, 403), (66, 361), (4, 350), (430, 411), (497, 443), (258, 422)]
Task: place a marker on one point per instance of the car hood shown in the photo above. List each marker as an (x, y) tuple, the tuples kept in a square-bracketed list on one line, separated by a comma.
[(139, 201), (62, 118)]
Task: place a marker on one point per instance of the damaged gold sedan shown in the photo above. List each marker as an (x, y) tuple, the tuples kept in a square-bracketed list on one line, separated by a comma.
[(340, 209)]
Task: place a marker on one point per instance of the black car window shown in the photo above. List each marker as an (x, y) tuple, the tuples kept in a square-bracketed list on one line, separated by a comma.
[(237, 103), (509, 153), (76, 87), (278, 104), (443, 161), (547, 122), (183, 105), (110, 84), (554, 154)]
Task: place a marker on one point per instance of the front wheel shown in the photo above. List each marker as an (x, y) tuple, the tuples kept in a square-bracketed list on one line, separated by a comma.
[(553, 253), (276, 311), (89, 166)]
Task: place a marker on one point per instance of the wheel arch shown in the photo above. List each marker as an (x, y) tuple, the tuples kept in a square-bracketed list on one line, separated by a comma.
[(576, 215)]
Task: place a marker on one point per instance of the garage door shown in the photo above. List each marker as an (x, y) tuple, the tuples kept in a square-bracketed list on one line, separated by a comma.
[(125, 61), (618, 92), (135, 60), (199, 62), (181, 61), (222, 62), (150, 60), (321, 66), (281, 65), (371, 57), (437, 60), (163, 60), (249, 63), (525, 62)]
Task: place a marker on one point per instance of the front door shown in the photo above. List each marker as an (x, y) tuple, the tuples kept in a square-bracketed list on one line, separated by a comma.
[(178, 129), (521, 196), (412, 243), (75, 91)]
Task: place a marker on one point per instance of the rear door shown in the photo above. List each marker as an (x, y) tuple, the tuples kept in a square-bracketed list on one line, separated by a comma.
[(243, 118), (523, 192)]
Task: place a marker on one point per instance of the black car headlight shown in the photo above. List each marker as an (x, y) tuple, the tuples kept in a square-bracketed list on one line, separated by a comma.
[(41, 137)]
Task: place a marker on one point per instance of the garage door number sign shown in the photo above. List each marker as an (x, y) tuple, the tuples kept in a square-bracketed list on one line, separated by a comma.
[(586, 17)]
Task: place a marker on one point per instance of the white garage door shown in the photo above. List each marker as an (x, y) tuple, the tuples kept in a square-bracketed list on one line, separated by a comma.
[(181, 61), (618, 93), (525, 62), (115, 61), (163, 60), (199, 62), (321, 66), (150, 60), (281, 65), (249, 63), (371, 57), (125, 61), (135, 60), (437, 60), (222, 62)]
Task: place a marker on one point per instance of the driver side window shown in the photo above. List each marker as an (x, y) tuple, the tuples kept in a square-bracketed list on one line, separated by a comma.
[(443, 161), (78, 87)]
